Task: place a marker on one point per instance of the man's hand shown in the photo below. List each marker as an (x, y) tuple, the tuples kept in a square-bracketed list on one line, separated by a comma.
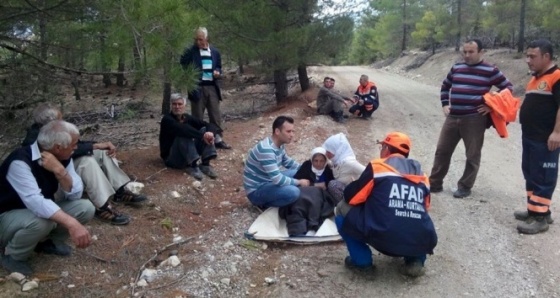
[(348, 102), (108, 146), (208, 138), (80, 236), (216, 74), (304, 182), (483, 109), (361, 102), (554, 141), (50, 163), (446, 111)]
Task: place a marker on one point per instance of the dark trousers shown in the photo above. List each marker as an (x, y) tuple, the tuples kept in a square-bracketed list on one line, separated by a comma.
[(540, 170), (185, 151), (471, 130), (363, 112), (210, 101)]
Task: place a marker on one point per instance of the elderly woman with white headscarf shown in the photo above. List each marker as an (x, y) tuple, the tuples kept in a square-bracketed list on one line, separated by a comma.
[(345, 166), (314, 204)]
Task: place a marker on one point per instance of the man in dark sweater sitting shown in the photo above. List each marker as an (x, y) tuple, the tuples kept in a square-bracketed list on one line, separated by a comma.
[(183, 140)]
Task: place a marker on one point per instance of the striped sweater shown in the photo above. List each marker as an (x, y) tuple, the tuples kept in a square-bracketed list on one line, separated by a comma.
[(263, 166), (465, 85)]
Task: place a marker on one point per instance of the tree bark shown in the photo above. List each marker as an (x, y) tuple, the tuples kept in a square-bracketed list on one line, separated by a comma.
[(281, 85), (120, 75), (403, 44), (459, 25), (521, 40), (303, 78)]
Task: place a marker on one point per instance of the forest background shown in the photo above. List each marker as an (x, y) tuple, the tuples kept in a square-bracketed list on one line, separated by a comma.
[(50, 46)]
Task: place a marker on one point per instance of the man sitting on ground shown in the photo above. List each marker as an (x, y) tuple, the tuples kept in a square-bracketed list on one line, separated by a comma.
[(330, 103), (30, 219), (265, 185), (183, 140), (96, 165)]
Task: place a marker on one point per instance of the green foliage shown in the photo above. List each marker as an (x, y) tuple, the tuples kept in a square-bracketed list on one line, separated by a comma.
[(430, 30)]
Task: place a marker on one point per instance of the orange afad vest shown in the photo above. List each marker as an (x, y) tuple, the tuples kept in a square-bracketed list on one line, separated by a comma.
[(504, 109), (366, 91)]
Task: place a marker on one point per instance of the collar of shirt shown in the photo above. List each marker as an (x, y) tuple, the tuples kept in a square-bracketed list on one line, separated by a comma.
[(35, 151)]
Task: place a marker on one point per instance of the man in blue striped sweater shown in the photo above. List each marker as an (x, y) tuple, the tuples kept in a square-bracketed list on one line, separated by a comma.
[(466, 115), (265, 184)]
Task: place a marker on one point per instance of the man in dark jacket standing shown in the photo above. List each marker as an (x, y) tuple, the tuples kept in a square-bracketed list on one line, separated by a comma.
[(183, 140), (207, 95), (387, 208)]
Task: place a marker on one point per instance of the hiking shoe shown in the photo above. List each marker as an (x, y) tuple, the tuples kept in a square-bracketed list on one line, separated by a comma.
[(12, 265), (413, 269), (222, 145), (350, 265), (436, 189), (461, 193), (110, 215), (195, 172), (127, 197), (524, 215), (208, 171), (533, 225), (48, 247)]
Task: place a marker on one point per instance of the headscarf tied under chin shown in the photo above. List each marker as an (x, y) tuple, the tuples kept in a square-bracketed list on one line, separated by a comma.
[(339, 146), (322, 151)]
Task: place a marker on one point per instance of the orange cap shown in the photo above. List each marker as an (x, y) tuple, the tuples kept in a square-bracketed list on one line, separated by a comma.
[(398, 140)]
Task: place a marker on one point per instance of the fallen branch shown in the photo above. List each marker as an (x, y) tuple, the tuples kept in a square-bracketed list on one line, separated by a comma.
[(169, 284), (97, 258), (146, 179), (153, 258)]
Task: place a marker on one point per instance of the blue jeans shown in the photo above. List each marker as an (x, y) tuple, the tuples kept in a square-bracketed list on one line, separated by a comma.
[(540, 170), (360, 253), (271, 195)]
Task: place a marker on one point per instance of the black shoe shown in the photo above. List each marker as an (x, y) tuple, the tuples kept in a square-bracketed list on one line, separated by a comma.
[(413, 269), (125, 196), (461, 193), (12, 265), (222, 145), (533, 225), (208, 171), (48, 247), (524, 215), (110, 215), (436, 189), (350, 265), (195, 172)]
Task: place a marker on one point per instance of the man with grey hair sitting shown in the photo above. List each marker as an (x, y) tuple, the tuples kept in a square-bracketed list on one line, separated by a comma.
[(30, 217), (94, 162), (183, 140)]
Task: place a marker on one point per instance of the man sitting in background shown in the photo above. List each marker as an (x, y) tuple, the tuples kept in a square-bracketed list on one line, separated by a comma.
[(330, 103)]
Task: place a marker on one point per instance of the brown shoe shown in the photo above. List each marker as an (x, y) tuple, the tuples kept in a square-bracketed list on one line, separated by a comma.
[(125, 196), (110, 215)]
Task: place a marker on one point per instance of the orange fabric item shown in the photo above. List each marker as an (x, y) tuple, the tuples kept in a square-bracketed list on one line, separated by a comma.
[(504, 109)]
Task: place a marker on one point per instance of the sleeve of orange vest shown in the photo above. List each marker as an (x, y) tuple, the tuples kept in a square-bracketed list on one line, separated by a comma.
[(358, 191), (428, 197)]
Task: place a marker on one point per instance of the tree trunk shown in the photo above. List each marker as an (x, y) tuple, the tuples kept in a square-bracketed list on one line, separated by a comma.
[(521, 40), (280, 85), (76, 85), (120, 75), (43, 44), (303, 78), (240, 66), (459, 24), (403, 44), (104, 65), (166, 102)]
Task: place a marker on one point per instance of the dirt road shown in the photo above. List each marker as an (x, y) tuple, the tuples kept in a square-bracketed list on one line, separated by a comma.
[(480, 253)]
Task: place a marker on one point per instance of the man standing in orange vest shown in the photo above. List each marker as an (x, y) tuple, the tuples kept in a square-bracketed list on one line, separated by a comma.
[(540, 132)]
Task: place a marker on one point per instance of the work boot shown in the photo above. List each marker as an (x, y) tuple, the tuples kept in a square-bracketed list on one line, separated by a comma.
[(461, 193), (413, 269), (533, 225), (195, 172), (208, 171), (524, 215), (436, 189), (350, 265), (127, 197), (110, 215), (12, 265), (48, 247)]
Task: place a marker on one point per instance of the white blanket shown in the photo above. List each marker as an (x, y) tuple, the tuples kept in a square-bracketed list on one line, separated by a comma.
[(270, 227)]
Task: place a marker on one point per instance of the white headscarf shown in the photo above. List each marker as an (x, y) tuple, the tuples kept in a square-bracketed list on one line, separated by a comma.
[(339, 146), (318, 150)]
